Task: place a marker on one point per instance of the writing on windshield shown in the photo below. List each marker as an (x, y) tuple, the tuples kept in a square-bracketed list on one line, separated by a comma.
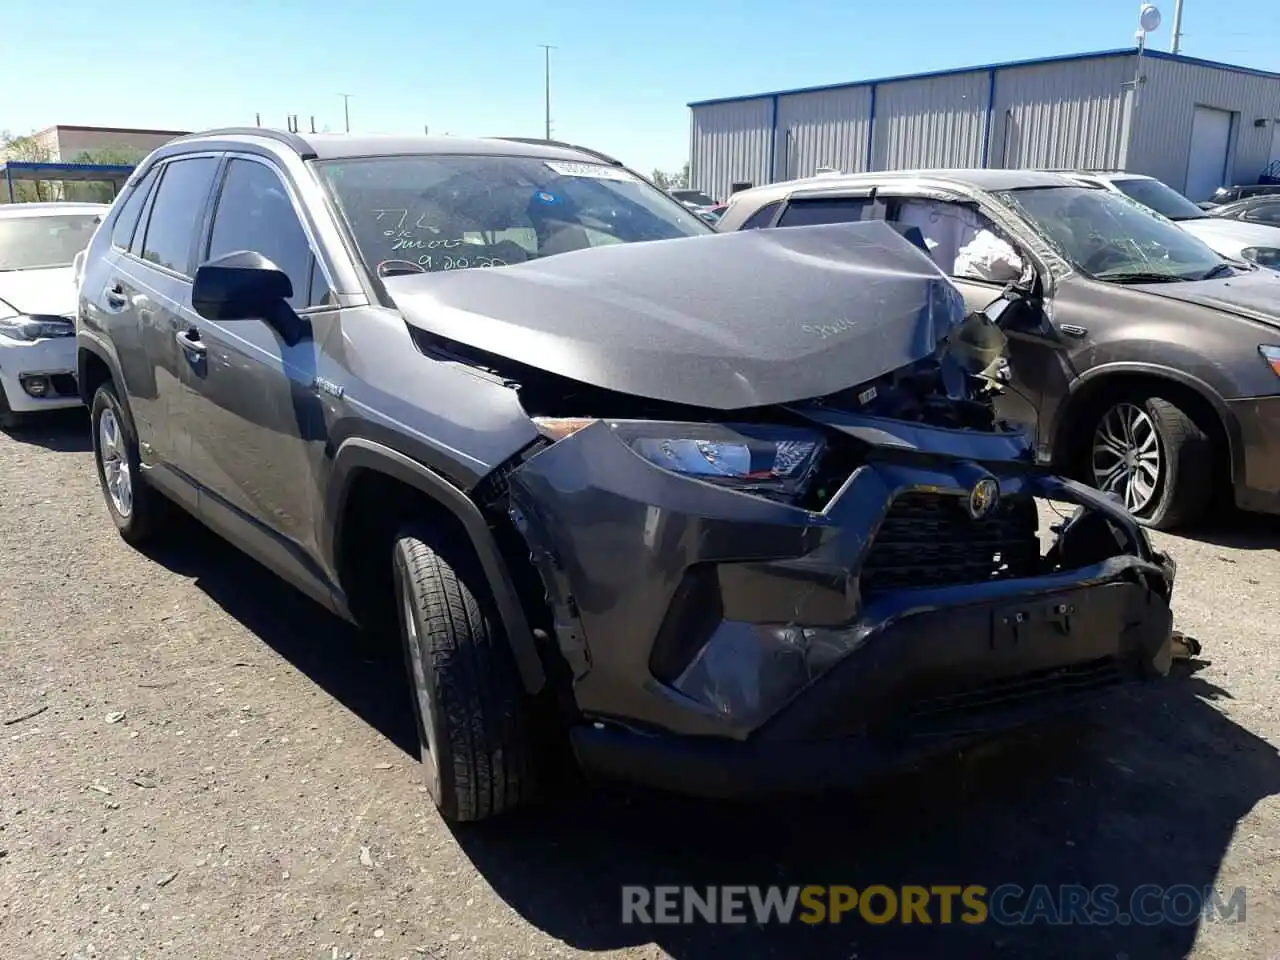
[(448, 212)]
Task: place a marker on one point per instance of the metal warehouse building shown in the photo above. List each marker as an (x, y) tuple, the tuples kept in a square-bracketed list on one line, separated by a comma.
[(1194, 124)]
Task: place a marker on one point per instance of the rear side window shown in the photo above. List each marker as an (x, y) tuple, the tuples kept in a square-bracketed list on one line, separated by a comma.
[(255, 213), (807, 213), (127, 222), (1265, 213), (177, 212), (762, 217)]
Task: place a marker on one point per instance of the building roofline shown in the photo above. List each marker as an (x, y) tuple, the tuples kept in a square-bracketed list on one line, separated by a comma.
[(988, 67), (82, 129)]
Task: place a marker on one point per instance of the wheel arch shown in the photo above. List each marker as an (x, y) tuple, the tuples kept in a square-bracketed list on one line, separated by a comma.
[(95, 366), (357, 458), (1100, 383)]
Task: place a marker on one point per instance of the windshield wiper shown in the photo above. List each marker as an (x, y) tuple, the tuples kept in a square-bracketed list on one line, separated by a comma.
[(1138, 276), (1221, 270)]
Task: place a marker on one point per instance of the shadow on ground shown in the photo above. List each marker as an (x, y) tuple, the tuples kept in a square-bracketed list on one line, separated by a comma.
[(63, 431), (1148, 789), (366, 679), (1242, 531)]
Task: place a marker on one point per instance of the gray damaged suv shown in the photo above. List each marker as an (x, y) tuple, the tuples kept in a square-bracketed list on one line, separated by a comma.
[(766, 539)]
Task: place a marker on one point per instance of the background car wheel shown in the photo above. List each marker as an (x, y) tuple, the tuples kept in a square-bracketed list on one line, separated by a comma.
[(134, 506), (1155, 458), (474, 721)]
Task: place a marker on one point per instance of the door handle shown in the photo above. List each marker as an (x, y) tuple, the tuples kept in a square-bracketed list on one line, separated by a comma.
[(115, 296), (189, 340)]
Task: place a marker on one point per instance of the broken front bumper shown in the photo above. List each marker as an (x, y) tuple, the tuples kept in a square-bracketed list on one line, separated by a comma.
[(723, 643)]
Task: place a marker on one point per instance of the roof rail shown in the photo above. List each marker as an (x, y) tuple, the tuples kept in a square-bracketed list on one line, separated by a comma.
[(565, 146), (290, 140)]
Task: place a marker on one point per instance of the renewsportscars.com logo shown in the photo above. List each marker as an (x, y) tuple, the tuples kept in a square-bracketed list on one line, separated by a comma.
[(1008, 904)]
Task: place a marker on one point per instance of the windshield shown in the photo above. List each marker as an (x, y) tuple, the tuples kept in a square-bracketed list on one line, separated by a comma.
[(693, 196), (1161, 198), (34, 243), (412, 214), (1110, 237)]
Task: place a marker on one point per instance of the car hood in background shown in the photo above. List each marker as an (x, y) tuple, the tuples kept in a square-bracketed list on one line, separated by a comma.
[(1229, 237), (1254, 294), (726, 321), (51, 291)]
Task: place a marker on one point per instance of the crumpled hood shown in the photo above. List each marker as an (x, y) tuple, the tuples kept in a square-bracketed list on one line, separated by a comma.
[(726, 321), (1255, 294), (1229, 237), (50, 291)]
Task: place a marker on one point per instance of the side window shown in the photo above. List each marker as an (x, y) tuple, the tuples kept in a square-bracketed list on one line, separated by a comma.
[(805, 213), (947, 229), (127, 220), (177, 211), (762, 217), (1265, 213), (255, 213)]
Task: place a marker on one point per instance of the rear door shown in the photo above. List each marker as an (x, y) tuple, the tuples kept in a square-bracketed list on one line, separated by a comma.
[(160, 271)]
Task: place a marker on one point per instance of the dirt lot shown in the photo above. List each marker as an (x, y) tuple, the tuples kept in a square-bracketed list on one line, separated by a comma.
[(218, 769)]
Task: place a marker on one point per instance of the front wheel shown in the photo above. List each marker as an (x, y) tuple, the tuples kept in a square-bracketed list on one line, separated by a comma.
[(474, 720), (1152, 457)]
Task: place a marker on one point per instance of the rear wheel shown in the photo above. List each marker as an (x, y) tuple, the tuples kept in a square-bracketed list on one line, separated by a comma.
[(474, 720), (1150, 455), (134, 507)]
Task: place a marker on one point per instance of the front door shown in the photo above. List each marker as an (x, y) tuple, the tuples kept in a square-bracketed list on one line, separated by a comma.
[(257, 425)]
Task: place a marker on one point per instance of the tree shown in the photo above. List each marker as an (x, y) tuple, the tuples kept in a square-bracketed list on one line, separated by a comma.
[(27, 149), (671, 181), (98, 191)]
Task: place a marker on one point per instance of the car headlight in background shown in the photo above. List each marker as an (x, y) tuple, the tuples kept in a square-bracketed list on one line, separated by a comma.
[(35, 327), (1262, 256), (1271, 354), (770, 461)]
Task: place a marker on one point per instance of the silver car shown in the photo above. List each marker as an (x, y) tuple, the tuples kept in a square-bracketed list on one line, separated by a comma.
[(1255, 242)]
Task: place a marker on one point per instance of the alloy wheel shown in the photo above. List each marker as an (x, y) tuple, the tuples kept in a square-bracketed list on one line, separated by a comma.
[(1126, 458), (115, 463), (421, 690)]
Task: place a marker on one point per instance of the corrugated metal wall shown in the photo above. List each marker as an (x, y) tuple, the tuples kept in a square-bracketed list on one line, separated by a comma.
[(1071, 114), (1068, 113), (730, 142), (1162, 131), (826, 128), (932, 122)]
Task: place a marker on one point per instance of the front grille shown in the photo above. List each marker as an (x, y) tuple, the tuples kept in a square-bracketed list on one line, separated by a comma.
[(929, 540), (966, 710)]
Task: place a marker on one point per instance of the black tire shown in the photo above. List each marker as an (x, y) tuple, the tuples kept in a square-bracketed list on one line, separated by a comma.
[(140, 522), (8, 419), (475, 726), (1184, 489)]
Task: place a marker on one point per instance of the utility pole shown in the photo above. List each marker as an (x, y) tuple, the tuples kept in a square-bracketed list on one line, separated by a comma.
[(346, 110), (546, 49), (1175, 45)]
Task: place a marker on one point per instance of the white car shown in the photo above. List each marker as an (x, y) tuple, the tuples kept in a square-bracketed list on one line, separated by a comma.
[(38, 247), (1254, 242)]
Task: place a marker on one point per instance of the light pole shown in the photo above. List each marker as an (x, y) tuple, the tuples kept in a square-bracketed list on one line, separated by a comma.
[(346, 110), (546, 50)]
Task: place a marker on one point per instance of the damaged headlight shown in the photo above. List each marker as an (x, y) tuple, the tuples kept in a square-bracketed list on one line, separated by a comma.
[(770, 461)]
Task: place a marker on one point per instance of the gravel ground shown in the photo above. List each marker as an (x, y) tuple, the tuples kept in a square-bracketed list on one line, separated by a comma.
[(219, 769)]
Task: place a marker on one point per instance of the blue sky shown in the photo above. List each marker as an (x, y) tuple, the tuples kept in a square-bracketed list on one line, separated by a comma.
[(621, 75)]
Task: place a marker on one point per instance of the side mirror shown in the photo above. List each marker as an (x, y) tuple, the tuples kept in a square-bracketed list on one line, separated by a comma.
[(239, 286)]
